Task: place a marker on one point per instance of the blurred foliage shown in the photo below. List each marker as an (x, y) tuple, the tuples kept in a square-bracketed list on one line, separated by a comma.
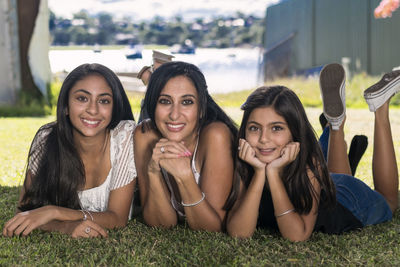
[(104, 29), (27, 105), (307, 89)]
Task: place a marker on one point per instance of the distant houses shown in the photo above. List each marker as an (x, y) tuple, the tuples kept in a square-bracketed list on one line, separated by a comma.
[(303, 35)]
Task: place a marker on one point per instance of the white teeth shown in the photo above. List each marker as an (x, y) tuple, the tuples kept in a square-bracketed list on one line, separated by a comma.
[(267, 150), (175, 126), (90, 122)]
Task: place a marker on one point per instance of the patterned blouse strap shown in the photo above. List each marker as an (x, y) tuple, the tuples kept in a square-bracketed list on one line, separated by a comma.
[(194, 170), (122, 156), (37, 148)]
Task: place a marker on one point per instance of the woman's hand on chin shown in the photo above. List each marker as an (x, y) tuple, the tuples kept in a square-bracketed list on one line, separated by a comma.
[(25, 222), (165, 149), (179, 168)]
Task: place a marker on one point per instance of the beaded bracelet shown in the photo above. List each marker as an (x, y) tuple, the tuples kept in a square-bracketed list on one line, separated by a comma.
[(195, 203), (84, 215), (284, 213), (91, 217)]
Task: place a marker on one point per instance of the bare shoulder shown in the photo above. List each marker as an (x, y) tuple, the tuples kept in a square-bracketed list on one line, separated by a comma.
[(215, 133), (145, 130), (145, 134)]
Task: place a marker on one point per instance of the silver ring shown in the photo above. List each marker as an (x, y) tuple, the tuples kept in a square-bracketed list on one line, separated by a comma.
[(162, 149), (87, 230), (238, 148)]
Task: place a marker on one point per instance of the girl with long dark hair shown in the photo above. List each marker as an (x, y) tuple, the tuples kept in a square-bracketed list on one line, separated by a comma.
[(81, 174), (286, 183), (184, 152)]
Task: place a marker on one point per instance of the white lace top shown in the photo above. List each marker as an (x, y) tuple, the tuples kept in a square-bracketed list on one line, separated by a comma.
[(122, 172)]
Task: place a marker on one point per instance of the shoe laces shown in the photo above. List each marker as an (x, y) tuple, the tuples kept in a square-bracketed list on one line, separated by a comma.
[(389, 76)]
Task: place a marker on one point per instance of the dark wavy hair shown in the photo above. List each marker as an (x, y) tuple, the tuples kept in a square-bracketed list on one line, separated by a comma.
[(209, 111), (297, 183), (60, 171)]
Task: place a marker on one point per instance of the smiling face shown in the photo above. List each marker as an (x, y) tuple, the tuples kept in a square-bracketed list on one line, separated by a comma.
[(90, 105), (268, 133), (176, 113)]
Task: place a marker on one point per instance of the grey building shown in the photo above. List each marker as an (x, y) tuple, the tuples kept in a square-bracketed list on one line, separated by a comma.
[(303, 35)]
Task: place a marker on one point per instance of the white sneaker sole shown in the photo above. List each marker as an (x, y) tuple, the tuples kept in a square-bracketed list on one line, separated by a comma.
[(332, 86), (379, 97)]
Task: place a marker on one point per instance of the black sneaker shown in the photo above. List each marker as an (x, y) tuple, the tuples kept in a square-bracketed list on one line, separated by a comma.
[(358, 146)]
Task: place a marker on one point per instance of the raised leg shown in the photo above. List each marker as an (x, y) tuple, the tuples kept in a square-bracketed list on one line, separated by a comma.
[(332, 84), (384, 165), (338, 161)]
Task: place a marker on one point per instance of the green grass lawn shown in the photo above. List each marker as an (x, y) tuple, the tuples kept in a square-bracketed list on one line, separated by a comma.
[(138, 244)]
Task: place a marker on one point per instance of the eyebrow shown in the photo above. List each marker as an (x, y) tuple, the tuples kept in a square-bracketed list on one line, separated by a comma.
[(271, 123), (87, 92), (187, 95)]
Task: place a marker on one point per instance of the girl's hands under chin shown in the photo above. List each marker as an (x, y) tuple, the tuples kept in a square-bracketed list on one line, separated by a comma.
[(247, 154), (288, 155)]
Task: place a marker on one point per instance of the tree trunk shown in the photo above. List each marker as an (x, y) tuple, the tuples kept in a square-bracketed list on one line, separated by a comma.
[(27, 13)]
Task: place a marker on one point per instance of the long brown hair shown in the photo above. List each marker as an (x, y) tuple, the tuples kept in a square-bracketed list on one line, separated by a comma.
[(60, 171), (297, 183)]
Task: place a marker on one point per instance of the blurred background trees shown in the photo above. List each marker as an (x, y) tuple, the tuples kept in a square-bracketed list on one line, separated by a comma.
[(104, 29)]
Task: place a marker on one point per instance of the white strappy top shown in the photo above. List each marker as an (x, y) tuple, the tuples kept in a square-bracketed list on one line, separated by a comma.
[(122, 172), (175, 204)]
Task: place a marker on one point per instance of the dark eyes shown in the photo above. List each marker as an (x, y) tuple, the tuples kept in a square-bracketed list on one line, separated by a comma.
[(101, 100), (253, 128), (105, 101), (82, 98), (185, 102), (164, 101), (277, 128)]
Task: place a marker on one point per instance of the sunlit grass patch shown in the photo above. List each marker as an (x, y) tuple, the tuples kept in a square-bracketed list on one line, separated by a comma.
[(308, 91), (16, 135)]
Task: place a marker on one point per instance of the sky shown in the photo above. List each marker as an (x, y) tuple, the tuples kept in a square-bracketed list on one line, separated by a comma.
[(140, 10)]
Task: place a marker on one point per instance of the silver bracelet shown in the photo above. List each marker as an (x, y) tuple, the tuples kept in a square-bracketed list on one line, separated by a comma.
[(195, 203), (284, 213), (84, 215), (91, 217)]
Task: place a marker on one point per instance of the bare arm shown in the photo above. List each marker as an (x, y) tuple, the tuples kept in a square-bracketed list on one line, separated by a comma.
[(242, 219), (292, 225), (154, 194), (216, 168), (54, 218)]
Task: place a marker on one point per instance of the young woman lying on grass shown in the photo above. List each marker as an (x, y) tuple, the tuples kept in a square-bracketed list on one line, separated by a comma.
[(81, 174), (184, 151), (286, 183)]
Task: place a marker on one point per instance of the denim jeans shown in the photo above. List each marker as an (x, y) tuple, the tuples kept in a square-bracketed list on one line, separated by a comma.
[(367, 205)]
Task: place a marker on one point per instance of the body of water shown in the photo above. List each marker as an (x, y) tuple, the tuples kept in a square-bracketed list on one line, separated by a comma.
[(226, 70)]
